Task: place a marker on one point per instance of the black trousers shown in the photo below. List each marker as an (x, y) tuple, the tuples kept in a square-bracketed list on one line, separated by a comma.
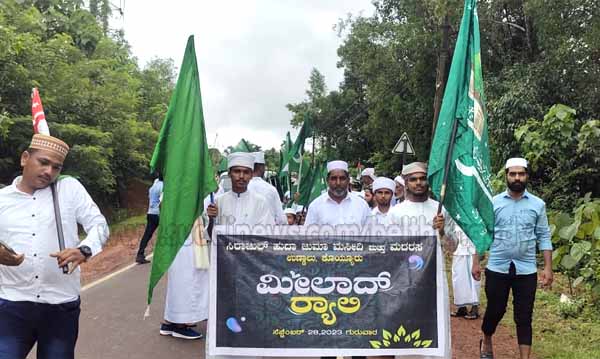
[(151, 225), (497, 287)]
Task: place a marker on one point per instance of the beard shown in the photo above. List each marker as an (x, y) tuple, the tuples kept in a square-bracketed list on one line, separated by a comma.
[(339, 191), (517, 186)]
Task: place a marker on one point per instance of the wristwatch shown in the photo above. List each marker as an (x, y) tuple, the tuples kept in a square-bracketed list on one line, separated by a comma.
[(86, 251)]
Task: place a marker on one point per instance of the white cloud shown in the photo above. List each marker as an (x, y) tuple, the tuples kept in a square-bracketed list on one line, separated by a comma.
[(254, 57)]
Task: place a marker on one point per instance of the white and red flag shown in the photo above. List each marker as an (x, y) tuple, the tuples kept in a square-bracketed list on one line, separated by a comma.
[(37, 111)]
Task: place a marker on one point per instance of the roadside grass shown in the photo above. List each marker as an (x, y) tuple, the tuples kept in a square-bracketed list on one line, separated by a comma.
[(127, 224)]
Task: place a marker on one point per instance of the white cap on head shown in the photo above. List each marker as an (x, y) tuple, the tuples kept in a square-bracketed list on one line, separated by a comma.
[(337, 165), (414, 167), (241, 159), (516, 162), (400, 180), (289, 211), (384, 183), (259, 157), (369, 172), (286, 194), (299, 208)]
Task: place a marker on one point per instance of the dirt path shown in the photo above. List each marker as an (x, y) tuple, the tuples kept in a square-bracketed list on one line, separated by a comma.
[(122, 248)]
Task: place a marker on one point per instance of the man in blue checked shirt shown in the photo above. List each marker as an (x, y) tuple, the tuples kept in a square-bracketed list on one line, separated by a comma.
[(521, 225)]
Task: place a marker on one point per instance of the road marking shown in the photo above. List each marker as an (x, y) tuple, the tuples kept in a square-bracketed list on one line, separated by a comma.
[(112, 275)]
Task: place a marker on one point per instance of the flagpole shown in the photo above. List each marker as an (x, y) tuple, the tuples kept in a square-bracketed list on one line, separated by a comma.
[(447, 165), (300, 174)]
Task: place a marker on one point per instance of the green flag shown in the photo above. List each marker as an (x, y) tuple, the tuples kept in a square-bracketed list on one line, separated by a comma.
[(313, 185), (181, 155), (291, 162), (468, 195)]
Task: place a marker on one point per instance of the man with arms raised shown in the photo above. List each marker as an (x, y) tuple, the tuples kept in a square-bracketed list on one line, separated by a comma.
[(38, 302)]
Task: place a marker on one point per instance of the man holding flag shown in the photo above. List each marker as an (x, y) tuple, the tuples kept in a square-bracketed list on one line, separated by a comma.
[(181, 156)]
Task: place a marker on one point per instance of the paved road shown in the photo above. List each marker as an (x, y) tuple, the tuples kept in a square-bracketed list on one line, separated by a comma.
[(112, 325)]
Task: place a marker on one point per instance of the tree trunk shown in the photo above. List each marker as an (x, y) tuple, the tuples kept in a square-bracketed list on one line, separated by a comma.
[(441, 76)]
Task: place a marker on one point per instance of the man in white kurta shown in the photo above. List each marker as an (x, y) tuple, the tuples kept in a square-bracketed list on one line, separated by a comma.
[(383, 190), (417, 215), (240, 206), (260, 186), (188, 286), (337, 205)]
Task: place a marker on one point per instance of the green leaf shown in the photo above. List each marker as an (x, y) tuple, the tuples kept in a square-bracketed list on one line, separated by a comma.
[(407, 339), (417, 343), (375, 344), (396, 338), (425, 343), (416, 334), (386, 343), (577, 281), (567, 233), (568, 262), (597, 233), (401, 331), (580, 249), (386, 335)]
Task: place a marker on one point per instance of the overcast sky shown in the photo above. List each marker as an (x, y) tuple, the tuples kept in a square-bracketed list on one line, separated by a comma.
[(254, 57)]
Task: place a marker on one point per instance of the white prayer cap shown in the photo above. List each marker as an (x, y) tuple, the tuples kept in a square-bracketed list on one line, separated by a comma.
[(414, 167), (516, 162), (242, 159), (259, 157), (400, 180), (337, 165), (289, 211), (287, 194), (299, 208), (369, 172), (384, 183)]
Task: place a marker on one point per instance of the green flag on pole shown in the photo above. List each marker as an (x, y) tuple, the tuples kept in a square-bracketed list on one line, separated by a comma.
[(181, 155), (467, 195)]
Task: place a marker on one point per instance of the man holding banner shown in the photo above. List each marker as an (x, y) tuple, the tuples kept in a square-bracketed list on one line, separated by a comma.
[(417, 215)]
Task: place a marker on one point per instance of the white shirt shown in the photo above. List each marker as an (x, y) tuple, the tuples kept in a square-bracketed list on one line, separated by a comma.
[(378, 217), (351, 210), (244, 208), (263, 188), (27, 224), (416, 218)]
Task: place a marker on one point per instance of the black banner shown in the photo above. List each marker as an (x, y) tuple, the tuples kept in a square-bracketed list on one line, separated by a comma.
[(302, 292)]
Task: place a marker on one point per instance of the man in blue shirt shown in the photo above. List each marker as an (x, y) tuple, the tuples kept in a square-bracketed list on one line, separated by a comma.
[(152, 218), (521, 224)]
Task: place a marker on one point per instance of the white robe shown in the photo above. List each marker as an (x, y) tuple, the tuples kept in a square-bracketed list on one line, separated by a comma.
[(263, 188), (245, 208), (465, 288), (187, 288), (418, 219)]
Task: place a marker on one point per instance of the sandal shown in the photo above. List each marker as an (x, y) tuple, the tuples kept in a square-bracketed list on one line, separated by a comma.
[(473, 313), (486, 355), (461, 312)]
